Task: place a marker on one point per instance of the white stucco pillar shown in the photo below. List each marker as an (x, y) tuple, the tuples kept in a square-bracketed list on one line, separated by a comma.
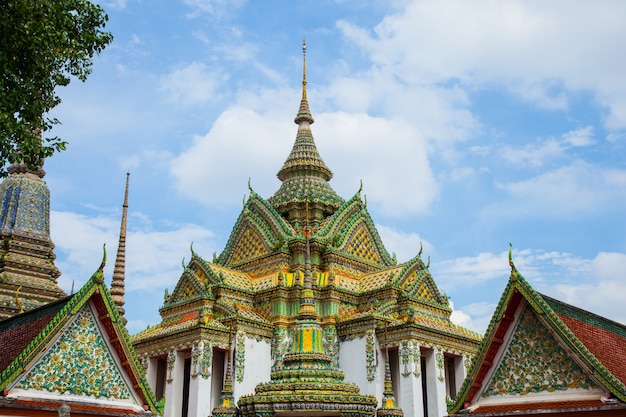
[(435, 382), (200, 385), (151, 373), (174, 384), (411, 398), (459, 372)]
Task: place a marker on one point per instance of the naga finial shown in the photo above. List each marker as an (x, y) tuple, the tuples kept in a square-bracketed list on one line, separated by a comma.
[(421, 249), (360, 186), (183, 262), (104, 257), (18, 303), (249, 184), (514, 272), (98, 276), (428, 264)]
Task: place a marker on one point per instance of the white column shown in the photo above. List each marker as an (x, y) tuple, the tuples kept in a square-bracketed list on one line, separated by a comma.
[(174, 384), (151, 373), (411, 398), (436, 382), (459, 372), (200, 385)]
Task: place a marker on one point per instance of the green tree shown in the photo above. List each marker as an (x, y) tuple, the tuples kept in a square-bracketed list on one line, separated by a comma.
[(43, 44)]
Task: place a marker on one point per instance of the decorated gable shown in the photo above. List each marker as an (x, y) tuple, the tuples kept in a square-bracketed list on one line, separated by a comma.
[(75, 351), (188, 287), (79, 363), (416, 281), (351, 232), (535, 363), (259, 231), (534, 359)]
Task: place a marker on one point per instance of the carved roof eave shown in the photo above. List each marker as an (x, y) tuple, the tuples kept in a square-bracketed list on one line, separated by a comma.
[(429, 337), (225, 291), (335, 256), (184, 331), (253, 328), (188, 305), (253, 264), (410, 300)]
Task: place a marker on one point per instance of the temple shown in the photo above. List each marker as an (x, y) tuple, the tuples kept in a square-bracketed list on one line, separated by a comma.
[(305, 312)]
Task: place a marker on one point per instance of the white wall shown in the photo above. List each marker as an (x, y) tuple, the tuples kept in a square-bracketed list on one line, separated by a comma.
[(257, 367)]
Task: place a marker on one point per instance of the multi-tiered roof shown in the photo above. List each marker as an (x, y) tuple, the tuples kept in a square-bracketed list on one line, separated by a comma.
[(308, 266)]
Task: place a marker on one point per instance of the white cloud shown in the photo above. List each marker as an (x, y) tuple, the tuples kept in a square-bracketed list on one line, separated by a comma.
[(394, 168), (192, 85), (574, 190), (215, 8), (597, 287), (153, 258), (594, 284), (405, 245), (579, 137), (475, 316), (534, 155), (471, 270), (541, 51), (550, 149)]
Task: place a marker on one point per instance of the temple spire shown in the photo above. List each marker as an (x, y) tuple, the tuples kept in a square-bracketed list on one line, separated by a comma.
[(304, 114), (304, 172), (117, 284)]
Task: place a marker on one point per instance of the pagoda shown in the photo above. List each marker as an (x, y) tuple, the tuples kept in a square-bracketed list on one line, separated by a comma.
[(305, 311), (28, 275)]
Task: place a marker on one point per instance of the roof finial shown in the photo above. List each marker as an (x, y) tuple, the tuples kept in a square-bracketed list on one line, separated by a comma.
[(117, 284), (514, 273), (304, 69), (304, 114), (18, 303)]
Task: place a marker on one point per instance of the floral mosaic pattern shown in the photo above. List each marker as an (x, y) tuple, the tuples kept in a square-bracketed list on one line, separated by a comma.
[(78, 363), (370, 356), (240, 356), (535, 362), (331, 345)]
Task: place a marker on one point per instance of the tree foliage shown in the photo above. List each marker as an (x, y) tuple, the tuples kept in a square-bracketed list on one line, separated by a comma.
[(43, 44)]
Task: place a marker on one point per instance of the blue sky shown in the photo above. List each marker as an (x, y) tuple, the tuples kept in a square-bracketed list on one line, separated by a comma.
[(471, 124)]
